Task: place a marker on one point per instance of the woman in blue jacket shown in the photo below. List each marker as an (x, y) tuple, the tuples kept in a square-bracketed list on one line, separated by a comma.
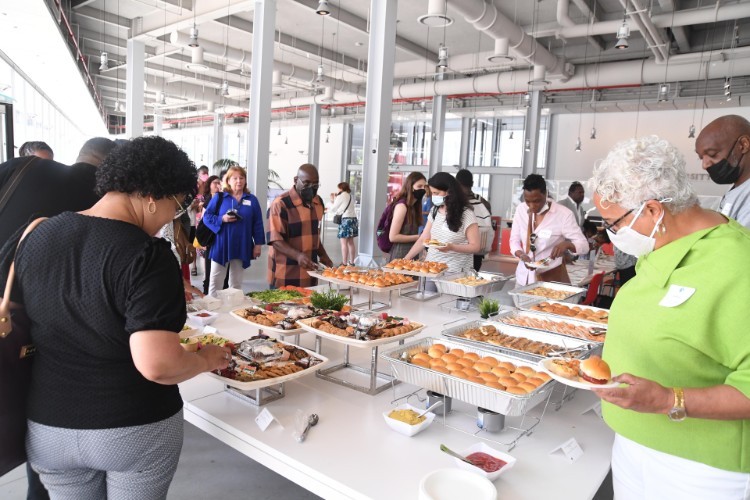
[(238, 225)]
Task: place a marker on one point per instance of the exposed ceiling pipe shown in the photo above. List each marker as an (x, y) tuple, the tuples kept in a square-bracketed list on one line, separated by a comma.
[(563, 17), (679, 32), (686, 17), (640, 16), (637, 72), (486, 17), (238, 57)]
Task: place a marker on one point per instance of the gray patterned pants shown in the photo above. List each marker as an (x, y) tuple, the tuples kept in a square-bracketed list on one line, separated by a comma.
[(124, 463)]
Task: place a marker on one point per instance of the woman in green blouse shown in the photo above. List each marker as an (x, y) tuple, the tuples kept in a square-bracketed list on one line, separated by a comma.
[(677, 332)]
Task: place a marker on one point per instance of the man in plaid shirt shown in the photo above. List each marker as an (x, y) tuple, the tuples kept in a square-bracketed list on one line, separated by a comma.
[(294, 232)]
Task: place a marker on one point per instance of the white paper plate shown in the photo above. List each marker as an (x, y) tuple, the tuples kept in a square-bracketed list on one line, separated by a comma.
[(553, 263), (578, 384)]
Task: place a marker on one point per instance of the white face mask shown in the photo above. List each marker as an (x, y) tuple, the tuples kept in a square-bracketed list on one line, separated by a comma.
[(438, 200), (632, 242)]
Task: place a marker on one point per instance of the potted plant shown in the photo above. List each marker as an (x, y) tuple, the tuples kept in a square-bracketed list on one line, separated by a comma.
[(488, 308)]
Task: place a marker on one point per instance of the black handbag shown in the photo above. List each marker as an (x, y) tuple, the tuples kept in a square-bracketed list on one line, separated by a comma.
[(203, 234), (16, 351), (339, 217)]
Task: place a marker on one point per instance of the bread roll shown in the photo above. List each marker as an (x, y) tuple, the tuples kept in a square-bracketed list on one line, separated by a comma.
[(460, 374), (436, 362), (458, 352), (508, 366), (519, 377), (465, 362), (454, 367), (423, 356), (449, 358), (535, 381), (420, 362), (496, 385), (434, 353), (441, 369), (526, 386), (477, 380), (482, 367), (516, 390), (489, 360), (471, 372), (472, 355), (440, 347), (488, 377), (525, 370), (507, 381), (499, 371)]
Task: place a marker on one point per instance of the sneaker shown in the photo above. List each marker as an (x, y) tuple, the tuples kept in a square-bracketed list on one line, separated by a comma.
[(194, 272)]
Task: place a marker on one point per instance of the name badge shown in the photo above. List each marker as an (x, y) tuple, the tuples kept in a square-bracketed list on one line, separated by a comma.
[(726, 209), (545, 234), (246, 203), (676, 295)]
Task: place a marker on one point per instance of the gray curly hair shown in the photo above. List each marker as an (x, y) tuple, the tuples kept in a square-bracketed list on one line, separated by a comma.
[(647, 168)]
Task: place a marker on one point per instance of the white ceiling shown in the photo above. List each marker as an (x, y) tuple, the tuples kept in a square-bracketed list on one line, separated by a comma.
[(340, 42)]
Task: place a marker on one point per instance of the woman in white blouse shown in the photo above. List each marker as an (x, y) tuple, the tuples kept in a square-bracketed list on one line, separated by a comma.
[(452, 223), (543, 229), (343, 205)]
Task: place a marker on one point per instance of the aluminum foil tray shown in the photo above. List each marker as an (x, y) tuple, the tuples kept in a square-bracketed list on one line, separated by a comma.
[(464, 390)]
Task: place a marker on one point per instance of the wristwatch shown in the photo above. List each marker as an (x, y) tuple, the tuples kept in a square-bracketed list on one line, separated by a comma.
[(678, 413)]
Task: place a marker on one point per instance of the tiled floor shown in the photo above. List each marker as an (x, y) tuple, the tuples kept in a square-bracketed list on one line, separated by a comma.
[(209, 468)]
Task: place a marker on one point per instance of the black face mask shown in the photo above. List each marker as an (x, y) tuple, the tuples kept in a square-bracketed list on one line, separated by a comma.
[(419, 193), (307, 194), (722, 172)]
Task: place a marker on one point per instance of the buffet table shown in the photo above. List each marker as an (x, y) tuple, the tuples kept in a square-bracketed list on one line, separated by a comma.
[(352, 453)]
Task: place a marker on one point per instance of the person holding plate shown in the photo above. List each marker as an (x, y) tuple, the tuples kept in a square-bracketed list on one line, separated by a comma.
[(452, 232), (542, 231), (677, 334)]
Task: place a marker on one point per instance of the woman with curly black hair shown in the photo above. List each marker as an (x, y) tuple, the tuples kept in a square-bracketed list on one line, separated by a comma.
[(452, 232), (106, 301)]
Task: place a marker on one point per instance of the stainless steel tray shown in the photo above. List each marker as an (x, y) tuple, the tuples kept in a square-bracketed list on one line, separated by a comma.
[(522, 299), (351, 341), (578, 348), (450, 287), (464, 390), (591, 327), (530, 307)]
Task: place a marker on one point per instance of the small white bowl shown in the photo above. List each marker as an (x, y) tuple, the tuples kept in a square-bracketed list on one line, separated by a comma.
[(403, 427), (203, 317), (483, 448), (454, 484)]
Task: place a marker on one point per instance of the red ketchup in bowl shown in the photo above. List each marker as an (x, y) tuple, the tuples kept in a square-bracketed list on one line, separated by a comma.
[(486, 462), (203, 315)]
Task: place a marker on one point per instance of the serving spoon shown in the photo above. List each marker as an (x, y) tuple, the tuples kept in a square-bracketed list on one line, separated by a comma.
[(452, 453), (311, 421), (428, 410)]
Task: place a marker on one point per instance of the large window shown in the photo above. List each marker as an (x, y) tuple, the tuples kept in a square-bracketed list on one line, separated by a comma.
[(501, 142)]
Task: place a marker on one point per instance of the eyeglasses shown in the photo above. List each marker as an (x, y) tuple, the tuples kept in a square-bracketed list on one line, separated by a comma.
[(611, 227), (307, 185), (532, 239), (180, 208)]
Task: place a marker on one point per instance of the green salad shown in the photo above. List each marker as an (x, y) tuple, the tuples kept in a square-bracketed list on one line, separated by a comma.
[(271, 296)]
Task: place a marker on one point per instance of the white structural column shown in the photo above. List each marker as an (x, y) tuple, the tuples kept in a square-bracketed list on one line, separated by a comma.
[(158, 124), (531, 134), (217, 150), (381, 58), (313, 137), (259, 122), (463, 159), (438, 130), (134, 88)]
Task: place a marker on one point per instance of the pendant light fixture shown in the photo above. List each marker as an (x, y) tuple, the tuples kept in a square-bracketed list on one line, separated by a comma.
[(224, 90), (193, 35), (103, 61), (691, 132), (623, 33), (323, 8), (442, 56), (663, 93), (578, 145)]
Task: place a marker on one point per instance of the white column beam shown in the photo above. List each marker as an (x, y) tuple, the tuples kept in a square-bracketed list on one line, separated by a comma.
[(261, 83), (438, 131), (531, 134), (134, 85), (313, 136), (158, 124), (217, 151), (381, 59)]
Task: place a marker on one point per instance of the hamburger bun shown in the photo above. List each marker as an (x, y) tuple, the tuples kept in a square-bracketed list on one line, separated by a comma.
[(449, 358), (516, 390), (525, 370), (434, 353), (495, 385), (535, 381), (460, 374), (507, 381), (458, 352), (472, 355), (441, 369), (595, 370), (422, 355), (477, 380), (440, 347), (518, 377), (471, 372), (488, 377), (482, 367), (420, 362), (543, 376), (454, 367), (466, 362), (489, 360), (499, 371), (508, 366), (436, 362), (526, 386)]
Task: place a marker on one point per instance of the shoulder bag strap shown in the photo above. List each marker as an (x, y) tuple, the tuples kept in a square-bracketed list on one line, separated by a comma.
[(347, 205), (5, 323), (10, 186), (218, 203)]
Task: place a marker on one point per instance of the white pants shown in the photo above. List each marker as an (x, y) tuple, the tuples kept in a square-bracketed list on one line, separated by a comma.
[(218, 272), (640, 473)]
